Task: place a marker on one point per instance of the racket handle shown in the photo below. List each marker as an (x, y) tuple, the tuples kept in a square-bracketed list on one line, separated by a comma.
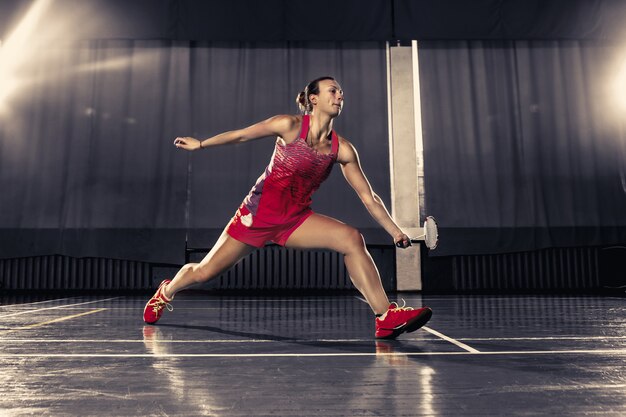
[(412, 240), (430, 226), (418, 238)]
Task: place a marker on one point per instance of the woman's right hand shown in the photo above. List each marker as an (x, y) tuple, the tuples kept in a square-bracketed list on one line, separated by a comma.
[(187, 143)]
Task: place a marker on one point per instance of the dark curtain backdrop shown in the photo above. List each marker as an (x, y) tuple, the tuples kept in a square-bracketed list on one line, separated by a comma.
[(346, 20), (524, 144), (509, 19), (87, 165)]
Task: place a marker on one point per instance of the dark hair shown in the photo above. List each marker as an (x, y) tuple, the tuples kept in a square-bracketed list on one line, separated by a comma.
[(302, 100)]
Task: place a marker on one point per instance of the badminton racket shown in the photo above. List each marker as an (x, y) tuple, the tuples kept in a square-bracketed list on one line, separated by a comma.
[(430, 234)]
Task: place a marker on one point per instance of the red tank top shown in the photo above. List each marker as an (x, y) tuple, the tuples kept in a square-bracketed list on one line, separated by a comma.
[(295, 171)]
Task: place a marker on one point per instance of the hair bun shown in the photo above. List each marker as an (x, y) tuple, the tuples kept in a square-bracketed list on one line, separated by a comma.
[(301, 100)]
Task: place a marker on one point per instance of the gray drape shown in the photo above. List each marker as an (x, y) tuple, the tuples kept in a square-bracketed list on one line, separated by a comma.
[(523, 144), (87, 165)]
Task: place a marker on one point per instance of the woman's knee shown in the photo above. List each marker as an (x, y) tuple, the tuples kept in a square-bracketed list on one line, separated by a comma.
[(212, 267), (352, 240)]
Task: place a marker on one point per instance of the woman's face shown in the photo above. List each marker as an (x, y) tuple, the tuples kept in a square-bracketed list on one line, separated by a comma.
[(330, 98)]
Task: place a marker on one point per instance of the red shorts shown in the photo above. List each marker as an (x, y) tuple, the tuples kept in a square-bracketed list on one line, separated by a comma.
[(255, 232)]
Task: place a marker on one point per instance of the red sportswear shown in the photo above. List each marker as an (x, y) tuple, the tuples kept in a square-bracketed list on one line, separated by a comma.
[(280, 201)]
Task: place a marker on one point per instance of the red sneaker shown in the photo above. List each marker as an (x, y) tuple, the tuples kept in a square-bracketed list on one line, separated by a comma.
[(398, 320), (155, 307)]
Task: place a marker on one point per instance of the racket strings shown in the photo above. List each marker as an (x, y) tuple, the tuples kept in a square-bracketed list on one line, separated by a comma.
[(431, 235)]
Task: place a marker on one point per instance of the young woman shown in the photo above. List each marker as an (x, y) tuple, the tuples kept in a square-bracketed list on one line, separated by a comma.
[(277, 209)]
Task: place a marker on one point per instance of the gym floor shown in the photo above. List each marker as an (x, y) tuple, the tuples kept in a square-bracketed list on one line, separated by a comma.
[(219, 355)]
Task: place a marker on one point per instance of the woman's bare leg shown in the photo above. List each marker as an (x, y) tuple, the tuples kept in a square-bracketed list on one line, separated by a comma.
[(226, 252), (324, 232)]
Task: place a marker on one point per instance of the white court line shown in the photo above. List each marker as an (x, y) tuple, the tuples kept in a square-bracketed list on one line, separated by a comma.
[(260, 300), (36, 302), (221, 341), (64, 318), (451, 340), (500, 297), (179, 307), (504, 339), (2, 316), (205, 341), (312, 355)]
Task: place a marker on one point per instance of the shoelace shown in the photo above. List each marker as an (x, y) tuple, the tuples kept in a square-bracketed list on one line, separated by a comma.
[(159, 304), (397, 308), (403, 308)]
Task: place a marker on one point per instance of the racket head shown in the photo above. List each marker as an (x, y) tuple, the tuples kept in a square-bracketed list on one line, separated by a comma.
[(431, 233)]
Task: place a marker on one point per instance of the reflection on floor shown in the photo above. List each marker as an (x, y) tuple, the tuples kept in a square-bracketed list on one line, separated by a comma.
[(312, 356)]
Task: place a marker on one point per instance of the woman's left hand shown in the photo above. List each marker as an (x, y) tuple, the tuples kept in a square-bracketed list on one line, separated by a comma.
[(188, 143)]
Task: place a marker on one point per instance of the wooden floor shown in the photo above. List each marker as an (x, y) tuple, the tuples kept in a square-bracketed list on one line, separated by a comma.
[(312, 356)]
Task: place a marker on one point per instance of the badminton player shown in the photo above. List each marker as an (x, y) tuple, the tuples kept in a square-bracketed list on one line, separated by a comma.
[(277, 209)]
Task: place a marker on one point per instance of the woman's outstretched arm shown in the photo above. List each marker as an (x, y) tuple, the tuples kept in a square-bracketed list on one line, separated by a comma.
[(279, 125)]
